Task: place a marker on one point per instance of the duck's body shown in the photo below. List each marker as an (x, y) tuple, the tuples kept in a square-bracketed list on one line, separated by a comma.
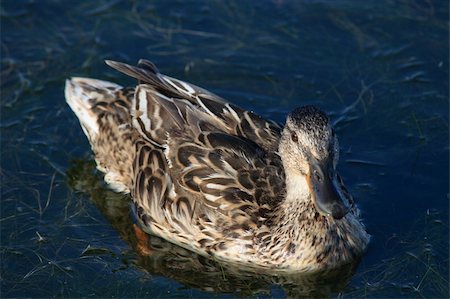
[(216, 179)]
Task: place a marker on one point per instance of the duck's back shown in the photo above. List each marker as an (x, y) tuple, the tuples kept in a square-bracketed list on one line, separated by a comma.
[(218, 114)]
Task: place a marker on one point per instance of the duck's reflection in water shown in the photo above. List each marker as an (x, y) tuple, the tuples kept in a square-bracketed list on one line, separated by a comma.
[(159, 257)]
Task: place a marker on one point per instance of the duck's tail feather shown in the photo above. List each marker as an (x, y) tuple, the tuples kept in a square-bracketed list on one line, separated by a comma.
[(103, 109), (82, 95), (147, 73)]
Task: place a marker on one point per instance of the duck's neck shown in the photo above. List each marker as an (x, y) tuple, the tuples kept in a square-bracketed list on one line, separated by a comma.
[(297, 189), (292, 226), (296, 206)]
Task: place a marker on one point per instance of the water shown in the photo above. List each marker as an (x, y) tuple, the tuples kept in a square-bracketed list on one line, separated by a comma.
[(379, 68)]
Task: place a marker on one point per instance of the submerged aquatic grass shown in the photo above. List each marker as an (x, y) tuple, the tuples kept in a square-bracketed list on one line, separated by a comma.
[(416, 267), (380, 69)]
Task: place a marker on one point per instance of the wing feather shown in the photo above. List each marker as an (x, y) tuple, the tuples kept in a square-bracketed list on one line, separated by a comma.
[(201, 164), (153, 185), (228, 173), (228, 117)]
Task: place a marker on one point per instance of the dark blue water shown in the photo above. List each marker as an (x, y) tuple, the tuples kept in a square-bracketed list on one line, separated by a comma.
[(379, 68)]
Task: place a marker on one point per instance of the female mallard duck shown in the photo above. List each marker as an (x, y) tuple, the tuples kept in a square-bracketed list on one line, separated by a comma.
[(219, 180)]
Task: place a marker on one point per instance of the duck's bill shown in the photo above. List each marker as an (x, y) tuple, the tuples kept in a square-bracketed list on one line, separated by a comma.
[(327, 199)]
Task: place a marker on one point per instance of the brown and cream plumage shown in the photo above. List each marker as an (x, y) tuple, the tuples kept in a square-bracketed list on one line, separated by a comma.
[(219, 180)]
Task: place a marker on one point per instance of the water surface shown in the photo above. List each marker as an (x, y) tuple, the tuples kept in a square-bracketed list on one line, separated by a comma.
[(379, 68)]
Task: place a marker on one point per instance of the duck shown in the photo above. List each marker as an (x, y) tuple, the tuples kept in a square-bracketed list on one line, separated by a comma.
[(218, 180)]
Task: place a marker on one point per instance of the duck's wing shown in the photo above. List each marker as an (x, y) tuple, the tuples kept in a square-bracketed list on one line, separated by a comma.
[(232, 119), (192, 177), (221, 172), (228, 172)]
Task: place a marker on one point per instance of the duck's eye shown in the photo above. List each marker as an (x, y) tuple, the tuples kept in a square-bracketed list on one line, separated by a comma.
[(294, 137)]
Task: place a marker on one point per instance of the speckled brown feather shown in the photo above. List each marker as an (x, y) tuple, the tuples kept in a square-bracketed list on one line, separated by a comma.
[(104, 112), (226, 185)]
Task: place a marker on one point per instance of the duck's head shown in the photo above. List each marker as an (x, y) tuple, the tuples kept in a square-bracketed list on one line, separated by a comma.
[(310, 151)]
